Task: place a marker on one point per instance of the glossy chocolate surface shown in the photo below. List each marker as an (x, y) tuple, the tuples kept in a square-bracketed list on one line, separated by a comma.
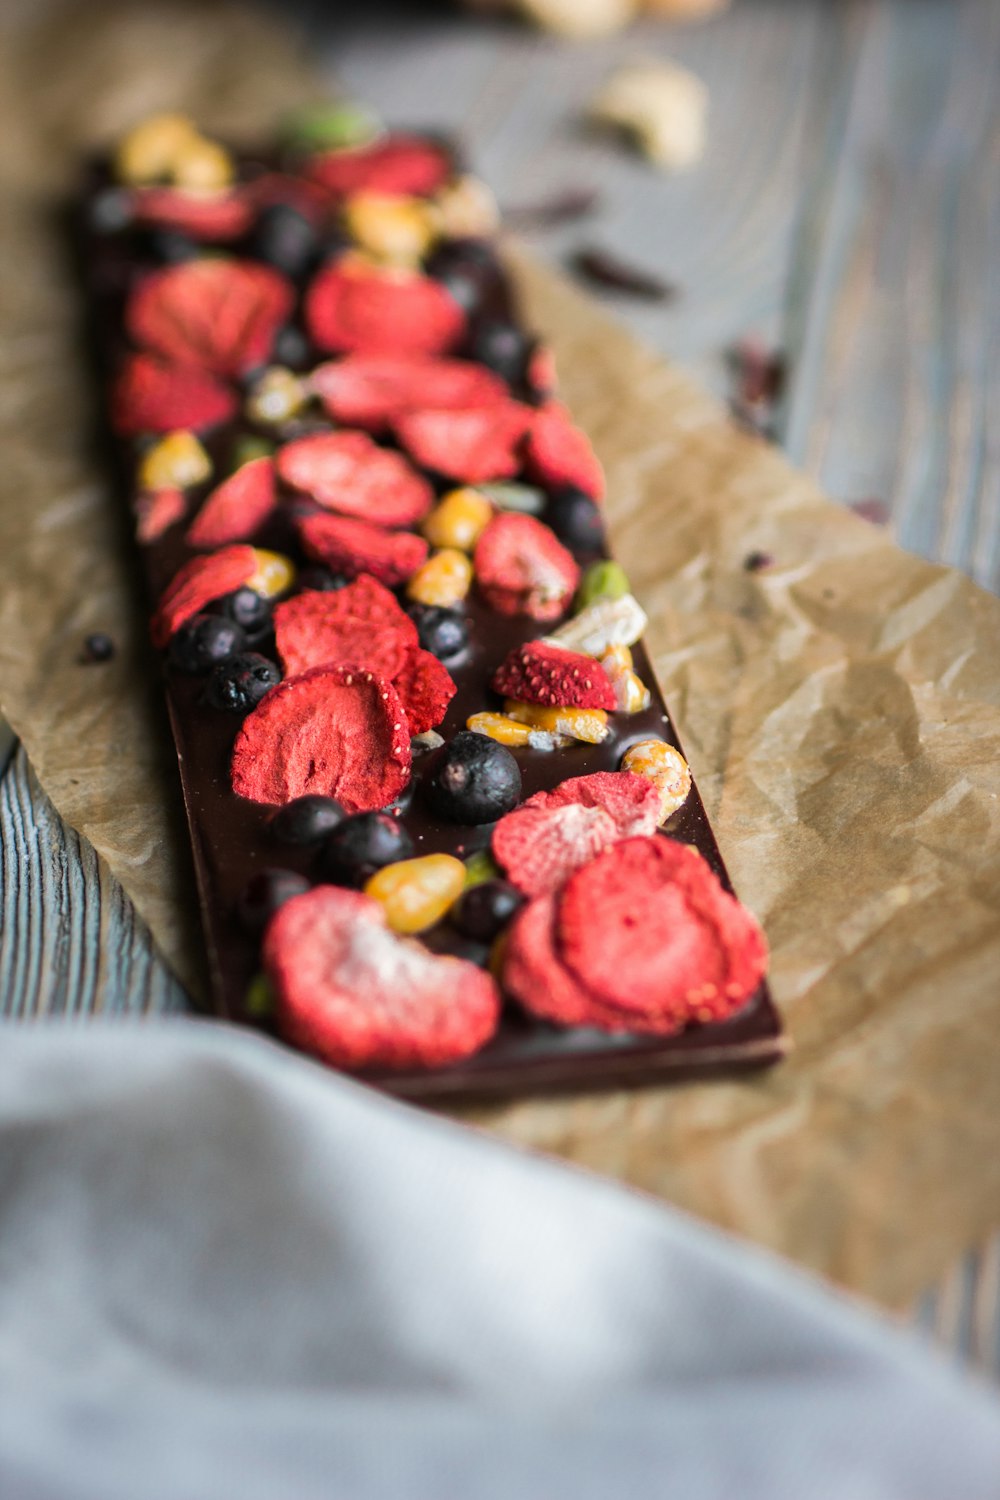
[(230, 836)]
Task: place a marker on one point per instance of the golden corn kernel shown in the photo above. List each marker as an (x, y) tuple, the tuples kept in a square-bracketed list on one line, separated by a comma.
[(275, 574), (150, 151), (665, 767), (176, 462), (397, 230), (466, 209), (499, 727), (617, 658), (458, 520), (276, 397), (631, 692), (416, 893), (587, 724), (444, 579), (203, 166)]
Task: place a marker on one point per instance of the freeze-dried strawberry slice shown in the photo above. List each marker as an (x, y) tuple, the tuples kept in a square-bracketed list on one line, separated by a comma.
[(535, 976), (361, 625), (371, 311), (558, 453), (523, 569), (349, 473), (214, 218), (217, 315), (197, 583), (352, 992), (552, 834), (237, 507), (425, 688), (648, 928), (354, 547), (538, 673), (541, 373), (473, 445), (398, 166), (151, 395), (156, 511), (374, 390), (337, 731)]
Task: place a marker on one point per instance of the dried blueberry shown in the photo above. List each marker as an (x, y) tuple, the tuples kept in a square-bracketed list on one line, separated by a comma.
[(171, 247), (284, 238), (467, 269), (238, 685), (323, 580), (306, 820), (265, 893), (502, 347), (204, 641), (474, 780), (97, 647), (576, 519), (361, 845), (483, 910), (291, 347), (249, 609), (443, 632)]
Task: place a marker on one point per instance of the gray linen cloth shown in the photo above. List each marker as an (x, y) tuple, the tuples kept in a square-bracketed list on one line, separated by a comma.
[(226, 1272)]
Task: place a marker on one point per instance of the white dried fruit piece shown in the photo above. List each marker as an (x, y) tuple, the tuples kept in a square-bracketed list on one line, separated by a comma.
[(609, 622), (662, 105), (631, 693), (665, 767)]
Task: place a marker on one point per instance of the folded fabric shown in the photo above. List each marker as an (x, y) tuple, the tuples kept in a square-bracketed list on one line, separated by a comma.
[(224, 1271)]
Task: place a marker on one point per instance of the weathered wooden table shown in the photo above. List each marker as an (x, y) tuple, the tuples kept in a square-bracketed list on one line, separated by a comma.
[(847, 211)]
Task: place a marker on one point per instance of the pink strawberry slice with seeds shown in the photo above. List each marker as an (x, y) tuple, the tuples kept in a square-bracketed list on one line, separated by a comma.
[(362, 310), (375, 390), (522, 568), (539, 673), (559, 453), (473, 445), (398, 166), (214, 218), (361, 625), (197, 583), (353, 547), (425, 689), (349, 473), (237, 508), (215, 314), (152, 395)]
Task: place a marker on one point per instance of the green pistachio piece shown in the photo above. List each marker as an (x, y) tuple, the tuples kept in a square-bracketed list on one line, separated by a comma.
[(259, 998), (520, 497), (602, 580), (248, 447), (330, 126), (480, 867)]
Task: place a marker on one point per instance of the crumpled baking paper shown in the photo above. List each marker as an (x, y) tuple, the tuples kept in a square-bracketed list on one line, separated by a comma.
[(841, 710)]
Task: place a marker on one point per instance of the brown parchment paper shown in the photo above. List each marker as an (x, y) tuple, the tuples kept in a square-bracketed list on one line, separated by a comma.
[(841, 711)]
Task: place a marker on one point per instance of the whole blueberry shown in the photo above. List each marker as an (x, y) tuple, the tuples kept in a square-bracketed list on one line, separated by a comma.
[(361, 845), (502, 347), (110, 210), (467, 269), (265, 893), (323, 580), (484, 910), (474, 780), (249, 609), (284, 238), (306, 820), (238, 684), (171, 247), (204, 641), (441, 631), (576, 519), (97, 647), (291, 347)]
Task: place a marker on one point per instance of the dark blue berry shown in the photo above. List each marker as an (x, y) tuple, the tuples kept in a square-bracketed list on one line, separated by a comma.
[(323, 580), (265, 893), (97, 647), (205, 640), (171, 247), (467, 269), (576, 519), (441, 631), (238, 685), (474, 780), (291, 348), (250, 610), (284, 238), (361, 845), (110, 210), (306, 820), (502, 347), (484, 910)]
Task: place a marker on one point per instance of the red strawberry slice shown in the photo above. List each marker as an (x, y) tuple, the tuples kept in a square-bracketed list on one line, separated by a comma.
[(151, 395), (375, 390), (155, 513), (349, 473), (535, 976), (381, 312), (350, 991), (474, 445), (552, 834), (648, 928), (197, 583), (523, 569), (236, 508), (558, 453), (360, 625), (354, 547), (541, 373), (214, 218), (337, 731), (217, 315), (398, 165), (538, 673), (425, 688)]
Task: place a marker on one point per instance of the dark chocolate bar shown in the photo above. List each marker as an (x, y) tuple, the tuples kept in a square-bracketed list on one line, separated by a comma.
[(227, 362)]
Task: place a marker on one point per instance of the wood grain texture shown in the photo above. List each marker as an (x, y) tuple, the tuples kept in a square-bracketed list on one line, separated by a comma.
[(848, 210)]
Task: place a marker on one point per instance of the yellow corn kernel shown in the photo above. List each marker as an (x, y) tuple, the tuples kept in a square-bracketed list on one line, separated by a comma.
[(176, 462), (444, 579), (150, 151), (665, 767), (399, 231), (466, 209), (274, 575), (458, 519), (631, 692), (203, 166), (276, 396), (617, 658), (416, 893), (587, 724), (499, 727)]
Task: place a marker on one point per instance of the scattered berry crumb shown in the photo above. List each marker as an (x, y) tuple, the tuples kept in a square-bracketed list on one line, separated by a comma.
[(97, 647)]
